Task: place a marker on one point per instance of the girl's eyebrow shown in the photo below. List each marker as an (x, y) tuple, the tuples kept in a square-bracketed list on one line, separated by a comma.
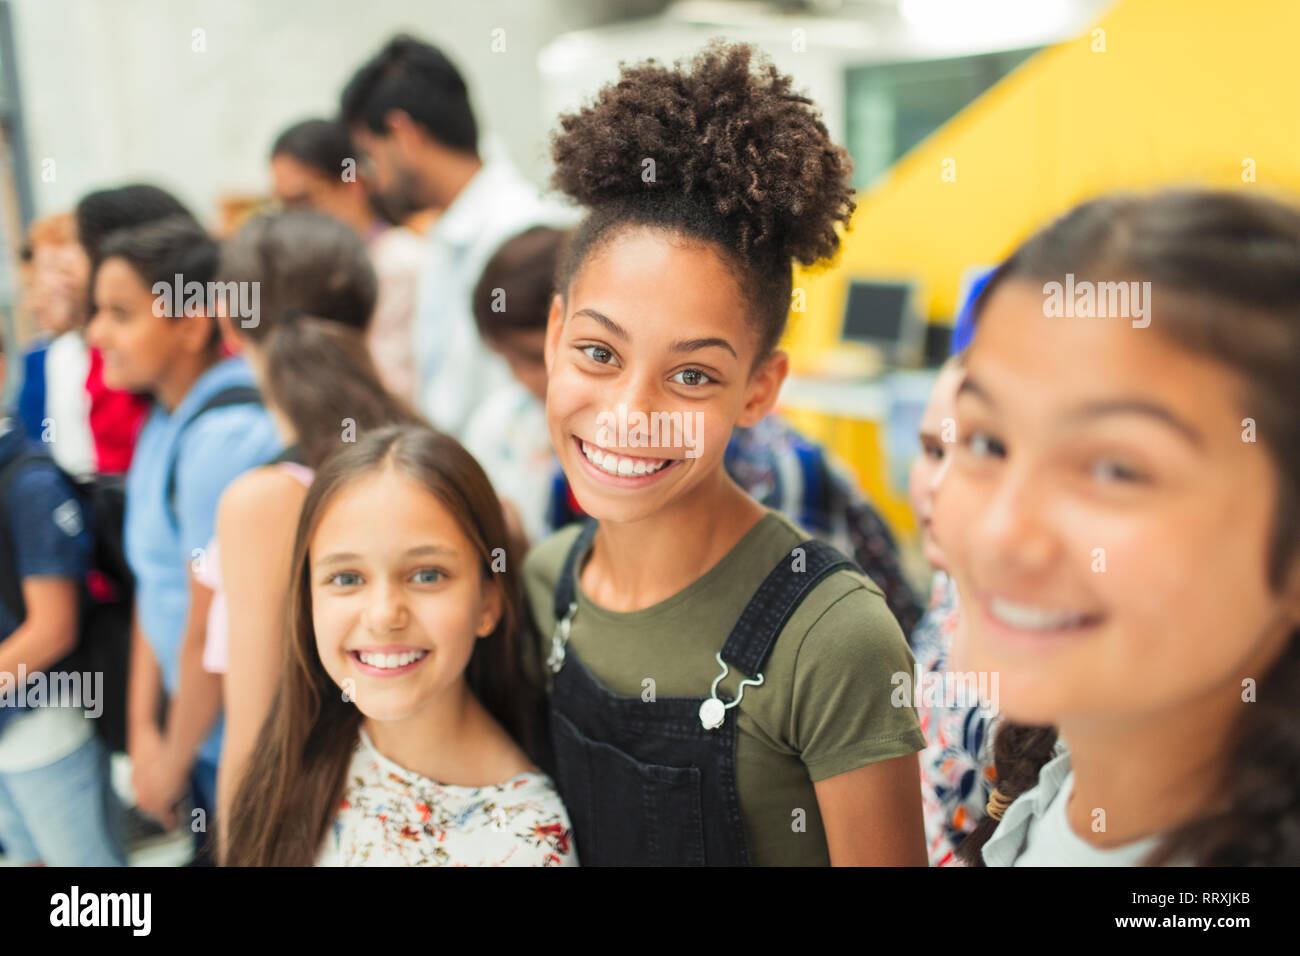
[(971, 387), (418, 551), (1105, 407), (614, 328), (1135, 406), (684, 345), (690, 345), (423, 549)]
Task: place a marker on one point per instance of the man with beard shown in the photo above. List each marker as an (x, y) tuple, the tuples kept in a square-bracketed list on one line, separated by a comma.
[(409, 114)]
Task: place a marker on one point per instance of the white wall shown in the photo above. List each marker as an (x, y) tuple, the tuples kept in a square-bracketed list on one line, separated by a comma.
[(113, 92), (814, 49)]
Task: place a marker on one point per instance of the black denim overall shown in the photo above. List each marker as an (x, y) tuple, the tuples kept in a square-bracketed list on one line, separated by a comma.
[(644, 782)]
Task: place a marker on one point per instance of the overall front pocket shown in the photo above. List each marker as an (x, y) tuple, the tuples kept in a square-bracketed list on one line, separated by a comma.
[(626, 812)]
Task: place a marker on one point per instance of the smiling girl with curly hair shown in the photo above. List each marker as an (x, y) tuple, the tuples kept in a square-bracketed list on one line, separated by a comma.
[(721, 683)]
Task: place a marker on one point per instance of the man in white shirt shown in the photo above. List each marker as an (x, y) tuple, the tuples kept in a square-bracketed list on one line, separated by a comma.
[(409, 113)]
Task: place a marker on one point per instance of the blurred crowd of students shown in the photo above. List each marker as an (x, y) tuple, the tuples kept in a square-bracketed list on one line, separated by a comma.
[(296, 687)]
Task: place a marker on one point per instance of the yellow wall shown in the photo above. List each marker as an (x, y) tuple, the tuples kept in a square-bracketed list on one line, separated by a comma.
[(1184, 91)]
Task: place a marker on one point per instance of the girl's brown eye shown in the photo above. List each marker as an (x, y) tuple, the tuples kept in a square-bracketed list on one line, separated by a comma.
[(697, 377), (984, 445), (1111, 470), (598, 354)]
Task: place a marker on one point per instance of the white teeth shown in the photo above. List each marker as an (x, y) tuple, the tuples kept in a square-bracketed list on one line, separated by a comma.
[(387, 661), (617, 465), (1032, 618)]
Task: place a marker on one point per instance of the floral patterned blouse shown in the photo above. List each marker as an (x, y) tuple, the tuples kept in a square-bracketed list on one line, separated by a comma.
[(390, 816), (957, 773)]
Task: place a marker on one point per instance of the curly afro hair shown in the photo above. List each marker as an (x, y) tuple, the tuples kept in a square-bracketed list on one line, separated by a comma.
[(739, 160)]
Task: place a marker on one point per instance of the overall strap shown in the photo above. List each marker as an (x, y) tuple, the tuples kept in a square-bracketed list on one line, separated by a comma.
[(775, 601), (565, 589)]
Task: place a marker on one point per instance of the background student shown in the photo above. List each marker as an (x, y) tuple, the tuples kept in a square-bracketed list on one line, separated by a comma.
[(507, 433), (409, 114), (310, 162), (206, 427), (57, 804), (114, 415), (309, 357), (1126, 545), (957, 773), (54, 298)]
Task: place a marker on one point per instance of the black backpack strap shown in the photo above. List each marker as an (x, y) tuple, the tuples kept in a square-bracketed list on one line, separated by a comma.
[(11, 588), (234, 395), (564, 587), (768, 611)]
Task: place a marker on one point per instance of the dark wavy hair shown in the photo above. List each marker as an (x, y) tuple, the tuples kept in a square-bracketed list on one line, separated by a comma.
[(319, 144), (421, 81), (740, 161), (160, 250), (105, 211), (294, 780), (523, 271), (1228, 268)]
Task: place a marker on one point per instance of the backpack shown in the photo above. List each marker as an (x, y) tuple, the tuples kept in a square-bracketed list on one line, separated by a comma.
[(104, 638), (104, 641)]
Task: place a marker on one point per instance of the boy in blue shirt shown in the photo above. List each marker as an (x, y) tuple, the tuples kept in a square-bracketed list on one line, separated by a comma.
[(205, 429), (56, 800)]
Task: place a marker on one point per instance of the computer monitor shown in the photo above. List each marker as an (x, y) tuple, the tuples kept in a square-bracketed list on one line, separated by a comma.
[(886, 314)]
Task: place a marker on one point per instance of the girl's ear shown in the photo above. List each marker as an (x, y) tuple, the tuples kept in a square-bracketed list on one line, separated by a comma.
[(493, 606), (763, 388), (554, 323)]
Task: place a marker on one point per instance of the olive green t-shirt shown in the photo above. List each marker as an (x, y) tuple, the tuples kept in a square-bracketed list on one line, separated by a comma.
[(824, 708)]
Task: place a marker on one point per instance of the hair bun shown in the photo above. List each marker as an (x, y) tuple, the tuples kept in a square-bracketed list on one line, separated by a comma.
[(726, 136)]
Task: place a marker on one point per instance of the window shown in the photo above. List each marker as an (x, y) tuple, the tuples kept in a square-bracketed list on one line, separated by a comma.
[(890, 107)]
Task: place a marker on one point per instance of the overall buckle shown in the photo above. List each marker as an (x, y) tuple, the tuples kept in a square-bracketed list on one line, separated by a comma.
[(560, 637), (713, 711)]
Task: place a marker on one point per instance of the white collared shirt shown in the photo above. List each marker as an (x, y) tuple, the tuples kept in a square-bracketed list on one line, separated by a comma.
[(456, 369)]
